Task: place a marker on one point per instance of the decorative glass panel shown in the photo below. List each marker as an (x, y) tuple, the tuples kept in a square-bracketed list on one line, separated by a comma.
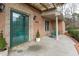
[(19, 28)]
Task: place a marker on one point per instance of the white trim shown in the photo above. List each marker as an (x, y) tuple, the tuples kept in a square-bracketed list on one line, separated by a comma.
[(30, 27), (7, 25)]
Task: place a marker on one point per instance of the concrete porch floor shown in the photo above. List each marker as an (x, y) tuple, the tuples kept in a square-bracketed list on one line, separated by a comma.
[(46, 47)]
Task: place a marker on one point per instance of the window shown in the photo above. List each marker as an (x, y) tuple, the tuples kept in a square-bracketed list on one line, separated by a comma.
[(46, 25)]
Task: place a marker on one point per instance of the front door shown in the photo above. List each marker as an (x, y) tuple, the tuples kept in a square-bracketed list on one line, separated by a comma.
[(19, 28)]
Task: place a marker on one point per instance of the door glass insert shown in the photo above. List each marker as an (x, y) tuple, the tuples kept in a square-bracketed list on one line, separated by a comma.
[(19, 28)]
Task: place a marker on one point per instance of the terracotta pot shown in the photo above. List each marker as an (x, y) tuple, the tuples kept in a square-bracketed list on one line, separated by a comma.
[(37, 39)]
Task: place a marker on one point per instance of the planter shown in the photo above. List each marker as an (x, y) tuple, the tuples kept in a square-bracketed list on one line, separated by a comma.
[(37, 39), (4, 53)]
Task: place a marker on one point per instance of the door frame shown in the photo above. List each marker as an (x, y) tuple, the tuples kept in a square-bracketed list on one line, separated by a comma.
[(20, 12)]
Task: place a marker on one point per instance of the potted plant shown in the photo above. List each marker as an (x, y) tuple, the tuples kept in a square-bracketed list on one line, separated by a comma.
[(3, 48), (37, 36)]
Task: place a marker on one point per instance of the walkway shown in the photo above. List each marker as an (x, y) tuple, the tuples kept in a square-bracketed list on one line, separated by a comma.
[(46, 47)]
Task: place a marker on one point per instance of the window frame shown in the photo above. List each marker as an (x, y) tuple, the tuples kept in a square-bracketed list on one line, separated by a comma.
[(47, 27)]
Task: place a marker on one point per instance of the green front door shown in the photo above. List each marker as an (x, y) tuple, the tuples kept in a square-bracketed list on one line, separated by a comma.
[(19, 28)]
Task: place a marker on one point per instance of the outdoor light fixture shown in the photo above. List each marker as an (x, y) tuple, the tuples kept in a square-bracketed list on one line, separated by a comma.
[(34, 17), (2, 6)]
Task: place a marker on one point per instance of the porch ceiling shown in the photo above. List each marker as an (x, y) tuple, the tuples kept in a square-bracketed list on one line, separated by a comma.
[(43, 7)]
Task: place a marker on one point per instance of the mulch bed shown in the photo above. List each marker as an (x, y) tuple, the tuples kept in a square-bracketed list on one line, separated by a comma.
[(77, 47), (77, 43)]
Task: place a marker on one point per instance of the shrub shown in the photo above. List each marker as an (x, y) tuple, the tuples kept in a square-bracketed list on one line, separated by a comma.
[(37, 34), (74, 33), (2, 42)]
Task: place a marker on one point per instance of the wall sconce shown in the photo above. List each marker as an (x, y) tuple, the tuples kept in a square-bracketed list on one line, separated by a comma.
[(34, 17), (36, 21), (2, 6)]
